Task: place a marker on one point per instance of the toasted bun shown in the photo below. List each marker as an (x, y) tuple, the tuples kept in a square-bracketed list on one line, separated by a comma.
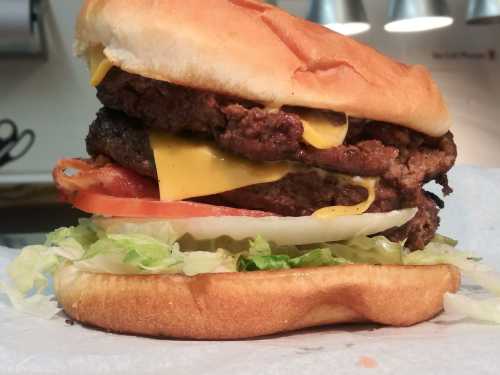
[(239, 305), (256, 51)]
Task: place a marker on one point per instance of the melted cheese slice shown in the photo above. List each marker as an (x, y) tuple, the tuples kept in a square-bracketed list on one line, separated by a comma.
[(334, 211), (99, 65), (188, 168), (321, 132)]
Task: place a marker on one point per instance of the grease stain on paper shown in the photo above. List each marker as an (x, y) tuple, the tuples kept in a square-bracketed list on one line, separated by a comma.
[(367, 362)]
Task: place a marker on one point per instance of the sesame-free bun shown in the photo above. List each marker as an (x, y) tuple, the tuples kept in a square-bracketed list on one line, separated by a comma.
[(255, 51), (249, 304)]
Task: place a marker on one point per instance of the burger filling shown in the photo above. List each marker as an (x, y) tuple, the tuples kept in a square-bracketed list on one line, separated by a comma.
[(289, 161), (269, 174)]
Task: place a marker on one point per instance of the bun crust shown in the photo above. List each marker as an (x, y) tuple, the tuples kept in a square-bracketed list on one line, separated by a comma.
[(241, 305), (253, 50)]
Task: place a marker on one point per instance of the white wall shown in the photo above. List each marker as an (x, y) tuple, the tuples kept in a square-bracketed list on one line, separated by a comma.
[(55, 100)]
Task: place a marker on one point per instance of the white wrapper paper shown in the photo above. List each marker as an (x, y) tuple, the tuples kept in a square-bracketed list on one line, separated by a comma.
[(442, 346)]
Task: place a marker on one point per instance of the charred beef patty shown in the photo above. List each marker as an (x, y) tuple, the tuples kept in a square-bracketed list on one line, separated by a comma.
[(125, 140)]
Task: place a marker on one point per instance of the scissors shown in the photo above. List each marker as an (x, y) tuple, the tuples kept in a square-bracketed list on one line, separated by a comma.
[(13, 145)]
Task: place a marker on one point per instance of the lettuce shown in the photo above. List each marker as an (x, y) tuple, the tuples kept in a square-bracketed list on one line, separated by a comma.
[(317, 258), (439, 238), (30, 269), (196, 262), (260, 257), (487, 310), (142, 251), (29, 274), (79, 237), (38, 304), (369, 250), (259, 246), (441, 251), (263, 262), (124, 247)]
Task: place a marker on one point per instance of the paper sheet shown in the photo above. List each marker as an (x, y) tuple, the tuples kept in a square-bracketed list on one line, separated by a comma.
[(441, 346)]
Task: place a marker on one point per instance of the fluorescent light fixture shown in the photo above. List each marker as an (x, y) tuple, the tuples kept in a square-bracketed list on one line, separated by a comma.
[(417, 15), (347, 17), (483, 12)]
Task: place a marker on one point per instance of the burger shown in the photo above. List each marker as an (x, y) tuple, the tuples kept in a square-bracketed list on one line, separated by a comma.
[(250, 173)]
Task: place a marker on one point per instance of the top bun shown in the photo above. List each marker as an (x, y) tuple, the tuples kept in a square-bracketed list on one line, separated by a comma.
[(255, 51)]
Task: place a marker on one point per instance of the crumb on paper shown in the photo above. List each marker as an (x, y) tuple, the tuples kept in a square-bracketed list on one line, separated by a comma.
[(367, 362)]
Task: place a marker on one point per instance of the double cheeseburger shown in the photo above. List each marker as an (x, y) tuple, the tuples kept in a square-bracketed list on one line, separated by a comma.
[(290, 157)]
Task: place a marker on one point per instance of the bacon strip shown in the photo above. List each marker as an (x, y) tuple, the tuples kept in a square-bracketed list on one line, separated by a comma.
[(101, 176)]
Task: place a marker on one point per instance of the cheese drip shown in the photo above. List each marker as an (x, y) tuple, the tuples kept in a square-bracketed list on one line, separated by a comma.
[(99, 65), (321, 132), (368, 183), (188, 168)]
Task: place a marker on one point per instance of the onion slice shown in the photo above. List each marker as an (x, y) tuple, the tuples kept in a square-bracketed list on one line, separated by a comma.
[(280, 230)]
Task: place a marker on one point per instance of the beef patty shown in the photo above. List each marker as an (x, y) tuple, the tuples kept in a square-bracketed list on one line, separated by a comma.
[(126, 141), (404, 157)]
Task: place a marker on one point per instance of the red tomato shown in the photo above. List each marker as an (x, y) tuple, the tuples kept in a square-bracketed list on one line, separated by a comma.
[(103, 188), (106, 205)]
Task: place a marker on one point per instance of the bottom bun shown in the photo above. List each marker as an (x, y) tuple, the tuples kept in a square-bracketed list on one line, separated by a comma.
[(249, 304)]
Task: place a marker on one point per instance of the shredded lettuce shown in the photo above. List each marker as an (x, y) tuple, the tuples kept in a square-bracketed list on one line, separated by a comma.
[(30, 273), (79, 237), (126, 248), (487, 310), (439, 238), (196, 262), (362, 249), (315, 258), (31, 268), (259, 246), (38, 304), (441, 251), (370, 250), (260, 257)]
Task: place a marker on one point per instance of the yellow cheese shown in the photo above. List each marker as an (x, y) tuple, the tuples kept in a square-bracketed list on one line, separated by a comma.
[(189, 168), (321, 132), (99, 65), (334, 211)]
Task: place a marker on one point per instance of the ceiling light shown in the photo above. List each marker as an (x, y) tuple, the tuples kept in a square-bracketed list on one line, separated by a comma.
[(347, 17), (483, 12), (417, 15)]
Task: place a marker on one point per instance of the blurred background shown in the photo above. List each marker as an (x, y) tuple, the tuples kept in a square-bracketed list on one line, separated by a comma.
[(47, 104)]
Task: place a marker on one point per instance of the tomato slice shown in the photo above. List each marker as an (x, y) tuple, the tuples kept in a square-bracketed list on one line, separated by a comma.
[(106, 205), (104, 188)]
